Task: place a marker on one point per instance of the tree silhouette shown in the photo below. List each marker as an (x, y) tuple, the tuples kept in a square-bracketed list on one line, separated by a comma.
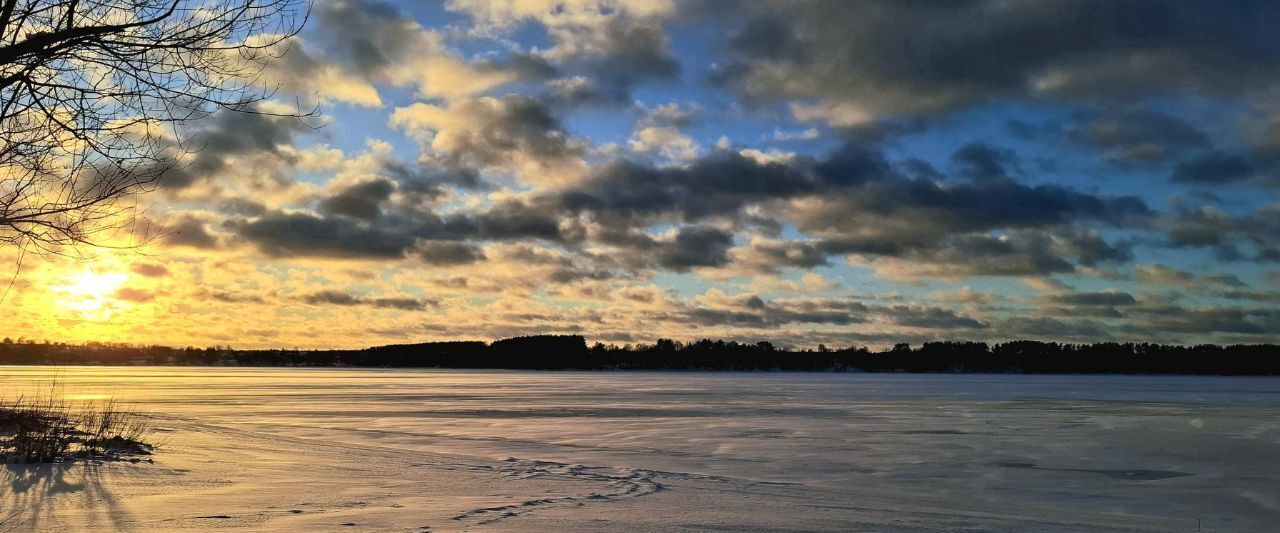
[(93, 94)]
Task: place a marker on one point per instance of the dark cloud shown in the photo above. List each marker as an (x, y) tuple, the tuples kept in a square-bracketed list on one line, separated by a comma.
[(917, 316), (979, 161), (1053, 328), (572, 274), (895, 215), (852, 202), (749, 310), (512, 220), (1208, 320), (393, 235), (857, 202), (367, 35), (1087, 311), (1023, 254), (235, 297), (406, 304), (772, 256), (719, 184), (303, 234), (230, 134), (1253, 296), (1094, 298), (752, 311), (1214, 168), (331, 298), (514, 124), (632, 53), (189, 231), (473, 134), (362, 200), (1138, 135), (1254, 235), (1091, 249), (695, 246), (446, 253), (524, 66), (339, 298), (916, 58), (1015, 254), (242, 207)]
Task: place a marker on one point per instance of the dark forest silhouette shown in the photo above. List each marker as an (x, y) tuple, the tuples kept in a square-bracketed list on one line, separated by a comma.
[(559, 352)]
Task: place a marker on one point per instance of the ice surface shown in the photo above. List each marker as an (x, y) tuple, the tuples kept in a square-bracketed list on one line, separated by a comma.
[(378, 450)]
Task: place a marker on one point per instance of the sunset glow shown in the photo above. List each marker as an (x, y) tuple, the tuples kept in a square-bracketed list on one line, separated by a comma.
[(91, 294), (639, 265), (626, 170)]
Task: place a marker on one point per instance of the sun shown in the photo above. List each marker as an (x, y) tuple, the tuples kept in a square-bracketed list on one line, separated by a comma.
[(91, 294)]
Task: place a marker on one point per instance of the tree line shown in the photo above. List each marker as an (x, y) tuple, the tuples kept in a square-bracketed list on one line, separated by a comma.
[(559, 352)]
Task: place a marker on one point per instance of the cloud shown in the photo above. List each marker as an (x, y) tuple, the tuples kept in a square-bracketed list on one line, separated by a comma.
[(667, 141), (719, 184), (1257, 231), (615, 44), (445, 253), (515, 133), (378, 42), (748, 310), (626, 54), (305, 234), (189, 231), (229, 136), (1090, 249), (907, 59), (856, 202), (1162, 275), (979, 161), (1138, 136), (899, 216), (1053, 328), (1110, 298), (130, 294), (928, 317), (771, 256), (231, 297), (1221, 168), (1206, 320), (309, 235), (869, 183), (853, 202), (807, 134), (150, 270), (1251, 296), (300, 71), (694, 246), (965, 295), (961, 256), (1213, 168), (361, 200), (339, 298)]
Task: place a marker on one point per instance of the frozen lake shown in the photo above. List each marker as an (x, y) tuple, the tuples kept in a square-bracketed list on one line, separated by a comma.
[(409, 450)]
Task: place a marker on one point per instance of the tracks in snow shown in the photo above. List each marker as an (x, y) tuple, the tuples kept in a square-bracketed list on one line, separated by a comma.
[(618, 484)]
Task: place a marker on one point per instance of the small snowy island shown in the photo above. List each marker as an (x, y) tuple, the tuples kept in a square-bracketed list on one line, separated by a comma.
[(53, 429)]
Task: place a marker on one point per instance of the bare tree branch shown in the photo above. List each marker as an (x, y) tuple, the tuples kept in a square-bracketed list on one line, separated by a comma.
[(94, 94)]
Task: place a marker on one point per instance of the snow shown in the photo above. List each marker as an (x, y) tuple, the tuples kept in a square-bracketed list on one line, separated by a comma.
[(422, 450)]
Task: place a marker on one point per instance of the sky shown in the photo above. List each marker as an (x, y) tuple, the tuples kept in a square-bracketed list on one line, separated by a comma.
[(806, 172)]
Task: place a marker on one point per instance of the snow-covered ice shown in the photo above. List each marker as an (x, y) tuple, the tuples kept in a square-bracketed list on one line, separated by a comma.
[(409, 450)]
